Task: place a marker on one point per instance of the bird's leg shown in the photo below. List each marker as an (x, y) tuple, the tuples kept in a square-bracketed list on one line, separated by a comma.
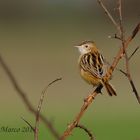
[(97, 90)]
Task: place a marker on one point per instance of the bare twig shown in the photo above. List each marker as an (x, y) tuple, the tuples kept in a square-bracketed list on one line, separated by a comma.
[(134, 90), (133, 87), (25, 100), (128, 59), (120, 54), (108, 14), (125, 52), (120, 11), (28, 124), (40, 105), (136, 30), (115, 37), (86, 130), (123, 37), (133, 53), (132, 36), (84, 107), (122, 72)]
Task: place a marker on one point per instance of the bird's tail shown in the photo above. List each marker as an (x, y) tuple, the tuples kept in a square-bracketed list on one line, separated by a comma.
[(111, 91)]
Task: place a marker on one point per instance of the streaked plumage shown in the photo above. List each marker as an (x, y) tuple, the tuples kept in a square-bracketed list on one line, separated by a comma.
[(93, 67)]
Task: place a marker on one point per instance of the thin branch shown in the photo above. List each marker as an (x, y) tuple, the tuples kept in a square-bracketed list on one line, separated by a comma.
[(133, 53), (134, 33), (25, 100), (134, 90), (125, 52), (121, 24), (40, 105), (115, 37), (136, 30), (123, 37), (120, 11), (83, 109), (120, 53), (28, 124), (86, 130), (109, 14), (120, 70), (123, 72), (132, 85)]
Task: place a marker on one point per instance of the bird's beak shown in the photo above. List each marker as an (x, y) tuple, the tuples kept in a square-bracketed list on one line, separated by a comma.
[(76, 46)]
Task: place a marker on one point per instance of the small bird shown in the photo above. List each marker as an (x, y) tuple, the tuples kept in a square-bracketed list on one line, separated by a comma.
[(93, 66)]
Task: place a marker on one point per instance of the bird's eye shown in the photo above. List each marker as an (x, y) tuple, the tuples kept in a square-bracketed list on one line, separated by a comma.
[(86, 46)]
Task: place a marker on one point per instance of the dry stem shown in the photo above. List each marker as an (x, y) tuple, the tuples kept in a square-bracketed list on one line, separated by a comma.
[(86, 130), (133, 53), (84, 107), (26, 101), (28, 124), (109, 14), (36, 129), (128, 74)]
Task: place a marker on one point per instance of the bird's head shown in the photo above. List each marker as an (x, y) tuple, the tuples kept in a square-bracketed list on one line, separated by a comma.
[(86, 47)]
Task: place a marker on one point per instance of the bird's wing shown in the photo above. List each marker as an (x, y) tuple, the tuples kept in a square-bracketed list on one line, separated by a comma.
[(94, 63)]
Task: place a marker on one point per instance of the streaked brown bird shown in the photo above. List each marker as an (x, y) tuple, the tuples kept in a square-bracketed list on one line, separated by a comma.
[(93, 67)]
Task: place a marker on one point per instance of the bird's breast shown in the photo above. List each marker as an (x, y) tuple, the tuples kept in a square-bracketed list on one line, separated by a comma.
[(89, 78)]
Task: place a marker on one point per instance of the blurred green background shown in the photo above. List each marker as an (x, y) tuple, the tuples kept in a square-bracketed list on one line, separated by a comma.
[(36, 41)]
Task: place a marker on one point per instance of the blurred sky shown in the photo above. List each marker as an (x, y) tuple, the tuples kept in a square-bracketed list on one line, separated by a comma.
[(34, 8), (36, 38)]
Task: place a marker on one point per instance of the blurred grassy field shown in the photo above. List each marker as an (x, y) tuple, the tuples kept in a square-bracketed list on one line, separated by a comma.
[(39, 50)]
